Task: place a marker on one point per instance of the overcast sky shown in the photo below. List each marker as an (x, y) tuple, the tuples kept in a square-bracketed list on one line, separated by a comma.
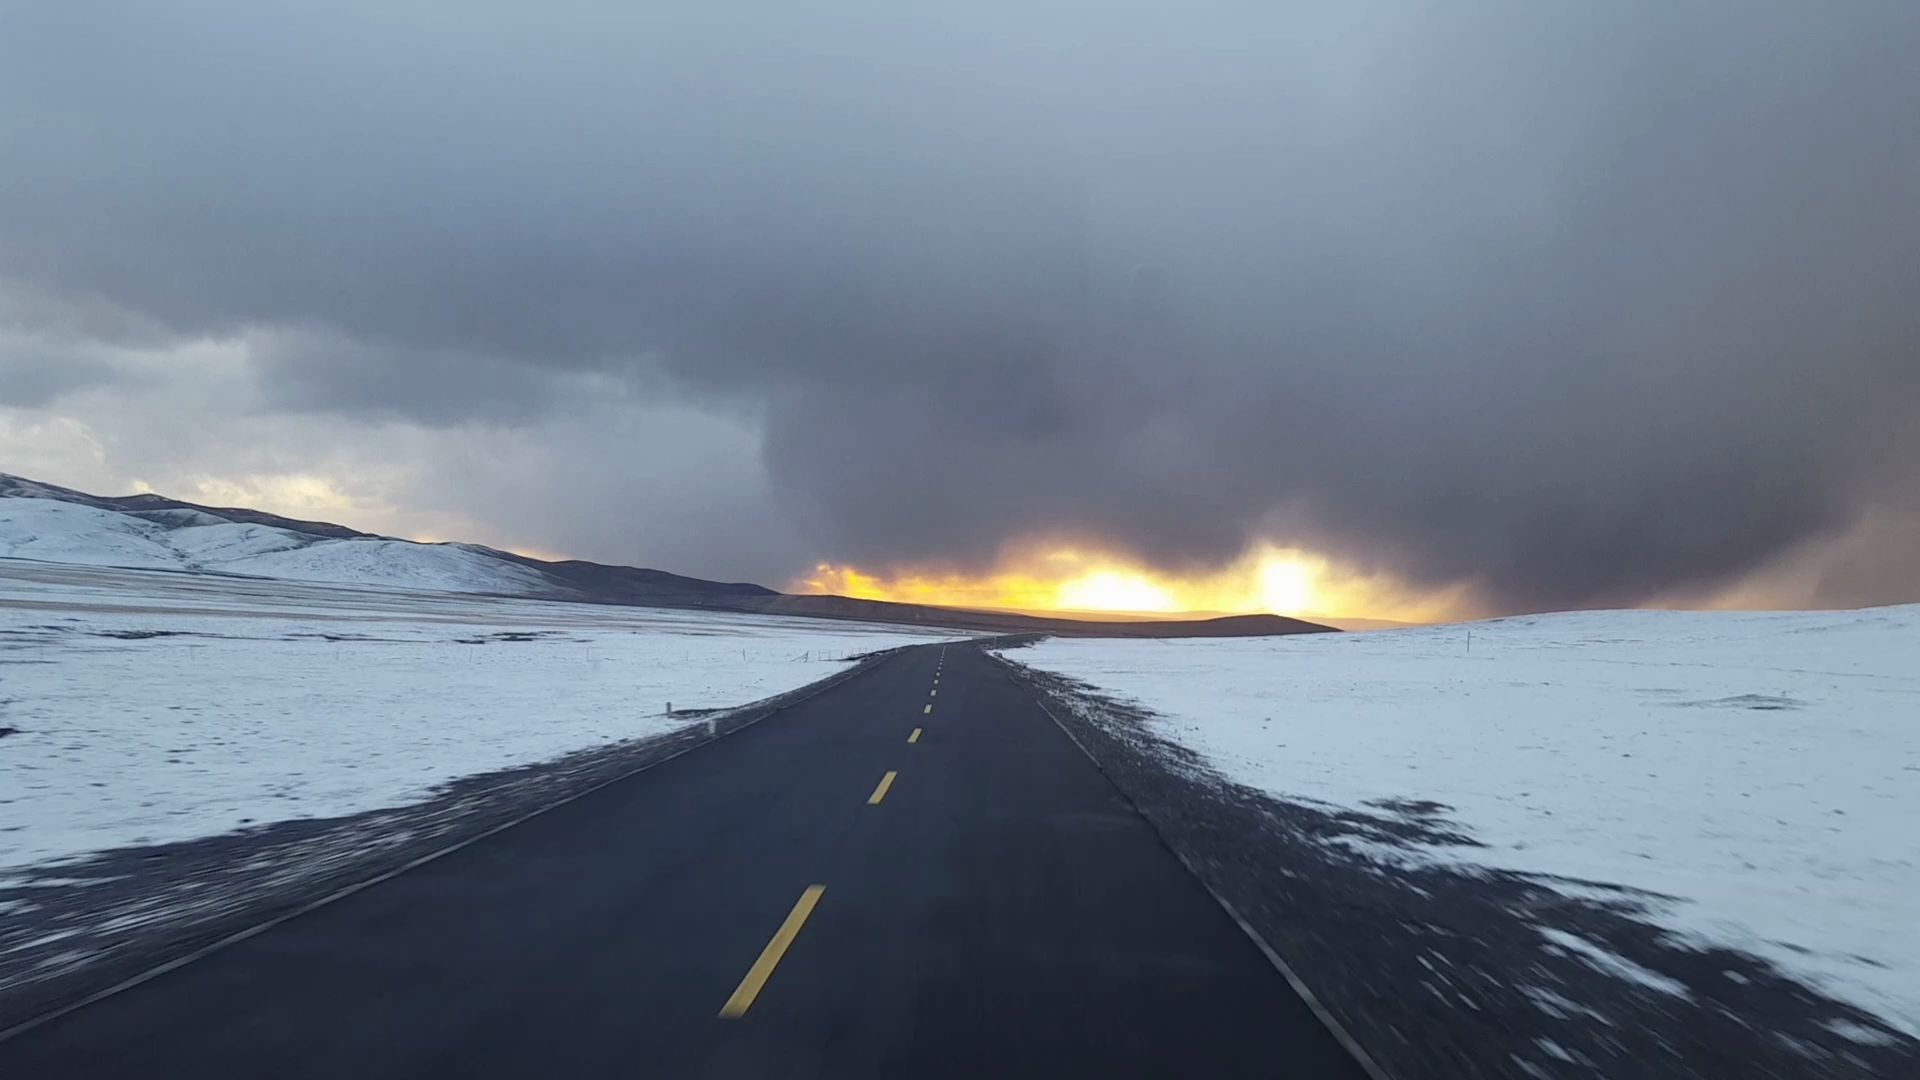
[(1576, 304)]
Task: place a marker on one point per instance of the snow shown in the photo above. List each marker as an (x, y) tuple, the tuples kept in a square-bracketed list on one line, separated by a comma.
[(216, 542), (1611, 963), (70, 533), (246, 712), (1761, 769), (51, 530), (395, 563), (180, 517)]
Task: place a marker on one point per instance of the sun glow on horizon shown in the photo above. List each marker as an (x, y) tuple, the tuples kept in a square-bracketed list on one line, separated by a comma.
[(1110, 590), (1267, 579), (1287, 585)]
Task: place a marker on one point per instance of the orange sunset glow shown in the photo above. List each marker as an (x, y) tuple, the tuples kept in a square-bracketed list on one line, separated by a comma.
[(1065, 578)]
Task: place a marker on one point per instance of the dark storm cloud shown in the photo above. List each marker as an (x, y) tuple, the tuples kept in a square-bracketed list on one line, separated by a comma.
[(1584, 305), (32, 376), (329, 372)]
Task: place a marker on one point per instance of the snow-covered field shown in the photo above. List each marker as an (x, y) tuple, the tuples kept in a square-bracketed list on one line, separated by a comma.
[(151, 707), (1761, 769), (57, 531)]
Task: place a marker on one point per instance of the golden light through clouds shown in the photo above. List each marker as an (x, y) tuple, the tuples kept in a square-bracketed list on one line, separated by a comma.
[(1066, 578)]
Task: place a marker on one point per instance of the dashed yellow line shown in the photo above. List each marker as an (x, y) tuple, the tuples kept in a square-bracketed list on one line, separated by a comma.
[(928, 711), (886, 783), (915, 737), (762, 969)]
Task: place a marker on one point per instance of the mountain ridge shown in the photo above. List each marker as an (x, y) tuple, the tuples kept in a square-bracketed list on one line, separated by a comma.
[(39, 521)]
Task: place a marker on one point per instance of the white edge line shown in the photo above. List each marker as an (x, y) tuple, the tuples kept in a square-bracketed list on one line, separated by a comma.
[(257, 929), (1320, 1011)]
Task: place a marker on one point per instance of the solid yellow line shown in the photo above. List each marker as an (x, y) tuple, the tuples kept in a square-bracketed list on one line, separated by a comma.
[(928, 711), (881, 791), (762, 969), (915, 737)]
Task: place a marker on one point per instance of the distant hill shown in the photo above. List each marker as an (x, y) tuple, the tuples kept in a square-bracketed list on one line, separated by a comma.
[(842, 607), (49, 523), (150, 505), (1371, 624)]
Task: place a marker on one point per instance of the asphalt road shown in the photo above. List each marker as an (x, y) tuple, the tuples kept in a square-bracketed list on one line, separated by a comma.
[(768, 905)]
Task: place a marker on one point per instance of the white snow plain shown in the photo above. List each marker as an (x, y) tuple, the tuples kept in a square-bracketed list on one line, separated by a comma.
[(263, 701), (1763, 769)]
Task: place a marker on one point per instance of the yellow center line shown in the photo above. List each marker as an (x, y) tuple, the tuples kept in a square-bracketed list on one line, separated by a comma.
[(915, 737), (762, 969), (880, 792)]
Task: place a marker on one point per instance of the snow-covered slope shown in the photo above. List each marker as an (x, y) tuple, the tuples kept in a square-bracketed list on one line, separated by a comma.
[(64, 532), (56, 530), (1761, 769), (395, 563)]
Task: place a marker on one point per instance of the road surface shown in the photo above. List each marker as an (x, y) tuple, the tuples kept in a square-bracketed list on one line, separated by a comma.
[(914, 874)]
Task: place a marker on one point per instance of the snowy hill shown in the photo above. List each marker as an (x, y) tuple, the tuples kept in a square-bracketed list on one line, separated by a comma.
[(152, 532), (171, 538), (49, 523)]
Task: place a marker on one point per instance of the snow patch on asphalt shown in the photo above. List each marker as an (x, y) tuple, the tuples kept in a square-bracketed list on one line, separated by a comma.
[(1612, 963), (1753, 777)]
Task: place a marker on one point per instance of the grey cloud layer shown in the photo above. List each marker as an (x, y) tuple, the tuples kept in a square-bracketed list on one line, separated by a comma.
[(1584, 306)]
